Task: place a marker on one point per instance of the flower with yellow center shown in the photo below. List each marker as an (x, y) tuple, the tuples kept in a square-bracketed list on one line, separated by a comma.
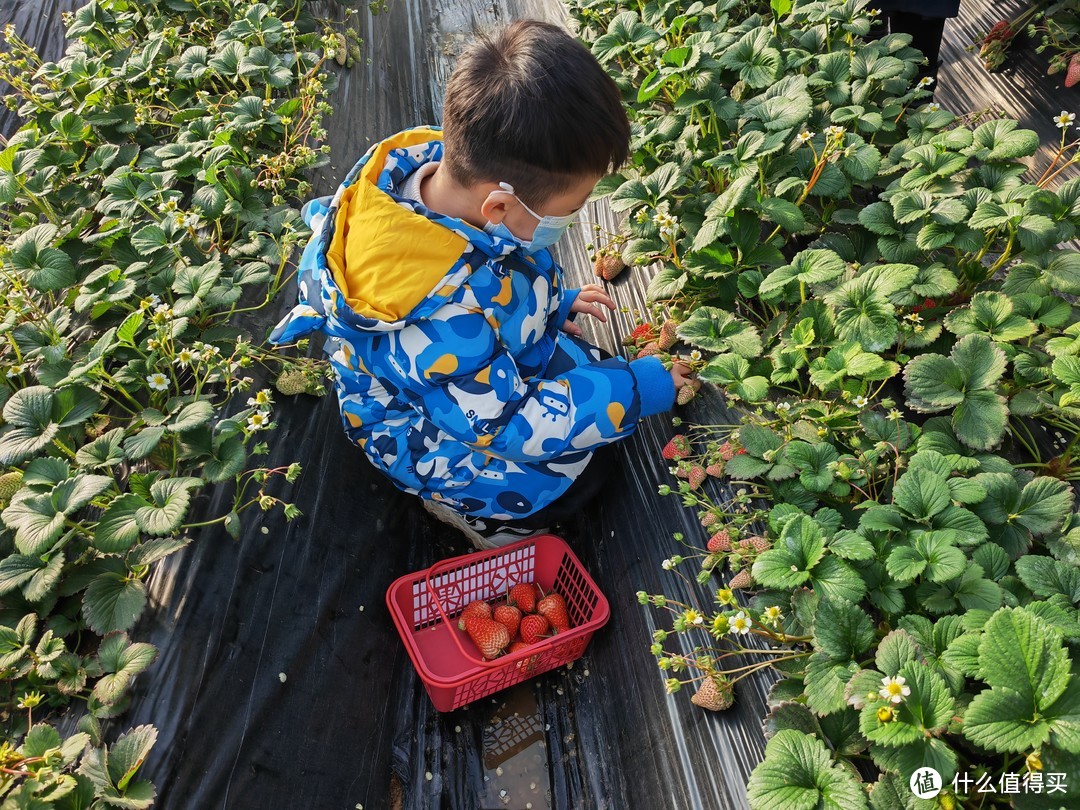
[(725, 596), (157, 381), (693, 617), (894, 689), (258, 421), (772, 615), (740, 624)]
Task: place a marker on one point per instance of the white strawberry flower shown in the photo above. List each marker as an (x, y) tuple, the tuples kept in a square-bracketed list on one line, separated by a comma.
[(1064, 120), (894, 689), (933, 107), (185, 357), (258, 421), (157, 381), (263, 399), (740, 624), (926, 81), (15, 370), (860, 401), (804, 137)]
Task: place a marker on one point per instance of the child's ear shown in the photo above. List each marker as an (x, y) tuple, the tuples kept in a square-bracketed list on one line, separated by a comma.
[(495, 206)]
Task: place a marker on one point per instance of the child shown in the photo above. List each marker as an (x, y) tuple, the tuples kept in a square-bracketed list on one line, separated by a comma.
[(447, 323)]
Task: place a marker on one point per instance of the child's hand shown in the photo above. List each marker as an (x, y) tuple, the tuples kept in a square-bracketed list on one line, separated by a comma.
[(591, 300), (681, 375)]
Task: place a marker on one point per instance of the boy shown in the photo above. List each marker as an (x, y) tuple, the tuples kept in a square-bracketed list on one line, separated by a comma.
[(447, 323)]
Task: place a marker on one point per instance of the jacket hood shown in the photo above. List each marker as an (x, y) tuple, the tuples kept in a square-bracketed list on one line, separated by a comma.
[(394, 260)]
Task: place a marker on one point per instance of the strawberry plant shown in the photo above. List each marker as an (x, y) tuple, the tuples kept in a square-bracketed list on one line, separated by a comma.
[(148, 207), (886, 291)]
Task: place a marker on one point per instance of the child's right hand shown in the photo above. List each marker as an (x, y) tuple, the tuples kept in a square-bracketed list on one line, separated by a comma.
[(681, 375)]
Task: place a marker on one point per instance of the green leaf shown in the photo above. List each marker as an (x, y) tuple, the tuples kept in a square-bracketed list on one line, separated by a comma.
[(921, 493), (1044, 504), (169, 500), (799, 548), (835, 579), (989, 313), (842, 630), (15, 569), (715, 330), (1023, 653), (807, 267), (1045, 577), (192, 415), (128, 753), (113, 602), (37, 522), (139, 445), (1001, 140), (118, 529), (44, 267), (894, 651), (798, 773)]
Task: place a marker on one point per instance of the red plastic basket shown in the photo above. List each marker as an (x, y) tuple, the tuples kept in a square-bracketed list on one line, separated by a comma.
[(424, 604)]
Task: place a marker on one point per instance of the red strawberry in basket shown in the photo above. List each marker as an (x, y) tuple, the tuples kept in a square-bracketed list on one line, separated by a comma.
[(523, 596), (534, 628), (1072, 75), (508, 616), (477, 607), (553, 608), (490, 637)]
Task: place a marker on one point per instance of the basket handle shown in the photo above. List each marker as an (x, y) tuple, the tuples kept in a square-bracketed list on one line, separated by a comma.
[(438, 568)]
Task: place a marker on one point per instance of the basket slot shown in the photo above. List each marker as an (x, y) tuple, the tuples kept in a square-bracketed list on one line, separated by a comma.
[(580, 598)]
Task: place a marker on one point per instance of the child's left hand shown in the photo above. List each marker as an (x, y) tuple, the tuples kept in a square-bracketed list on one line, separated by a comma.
[(591, 300)]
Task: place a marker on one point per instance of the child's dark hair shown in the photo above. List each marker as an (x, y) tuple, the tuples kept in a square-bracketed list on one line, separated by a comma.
[(532, 107)]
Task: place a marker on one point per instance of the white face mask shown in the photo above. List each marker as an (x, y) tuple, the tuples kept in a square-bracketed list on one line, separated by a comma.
[(548, 229)]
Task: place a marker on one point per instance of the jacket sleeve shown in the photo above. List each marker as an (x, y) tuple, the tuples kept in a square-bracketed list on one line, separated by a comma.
[(307, 316), (457, 373)]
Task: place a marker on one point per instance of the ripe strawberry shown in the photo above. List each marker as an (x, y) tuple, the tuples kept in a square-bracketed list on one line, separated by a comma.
[(608, 266), (714, 694), (534, 627), (477, 607), (667, 337), (676, 449), (727, 452), (721, 541), (686, 393), (1072, 75), (1001, 30), (523, 596), (508, 616), (490, 637), (696, 475), (716, 469), (553, 608), (741, 580), (648, 350), (642, 333), (708, 519)]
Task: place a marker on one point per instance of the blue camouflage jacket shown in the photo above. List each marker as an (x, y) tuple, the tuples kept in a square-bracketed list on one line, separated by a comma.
[(451, 370)]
